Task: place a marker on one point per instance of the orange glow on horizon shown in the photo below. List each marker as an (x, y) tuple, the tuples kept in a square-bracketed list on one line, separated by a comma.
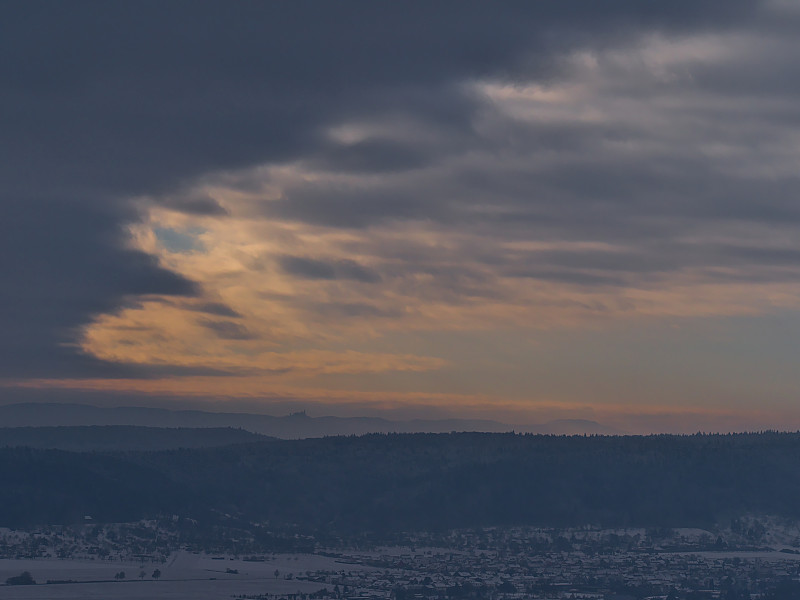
[(626, 418)]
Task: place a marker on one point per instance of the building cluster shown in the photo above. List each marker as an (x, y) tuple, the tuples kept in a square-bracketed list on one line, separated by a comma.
[(487, 564), (439, 574)]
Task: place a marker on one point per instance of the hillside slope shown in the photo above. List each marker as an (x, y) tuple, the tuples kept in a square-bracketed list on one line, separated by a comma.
[(418, 481)]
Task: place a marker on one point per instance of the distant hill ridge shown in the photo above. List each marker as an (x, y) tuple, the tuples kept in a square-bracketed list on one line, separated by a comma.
[(97, 438), (294, 426)]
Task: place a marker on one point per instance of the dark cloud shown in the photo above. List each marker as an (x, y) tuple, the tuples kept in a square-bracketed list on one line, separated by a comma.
[(216, 308), (760, 255), (350, 269), (309, 268), (582, 278), (103, 102), (352, 310), (352, 207), (194, 205), (228, 330), (373, 156), (58, 270)]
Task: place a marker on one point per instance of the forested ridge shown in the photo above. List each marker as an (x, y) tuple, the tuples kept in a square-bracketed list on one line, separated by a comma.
[(417, 481)]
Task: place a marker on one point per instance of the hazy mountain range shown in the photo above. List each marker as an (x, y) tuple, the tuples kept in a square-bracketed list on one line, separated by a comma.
[(295, 426)]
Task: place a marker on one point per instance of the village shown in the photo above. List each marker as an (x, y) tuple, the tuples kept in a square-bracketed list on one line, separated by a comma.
[(744, 561)]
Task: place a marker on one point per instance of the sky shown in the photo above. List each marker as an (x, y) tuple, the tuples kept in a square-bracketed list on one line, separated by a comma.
[(510, 210)]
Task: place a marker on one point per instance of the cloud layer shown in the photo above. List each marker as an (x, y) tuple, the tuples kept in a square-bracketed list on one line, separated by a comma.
[(285, 191)]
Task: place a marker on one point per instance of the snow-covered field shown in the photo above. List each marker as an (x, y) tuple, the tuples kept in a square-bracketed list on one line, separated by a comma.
[(765, 556), (185, 576)]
